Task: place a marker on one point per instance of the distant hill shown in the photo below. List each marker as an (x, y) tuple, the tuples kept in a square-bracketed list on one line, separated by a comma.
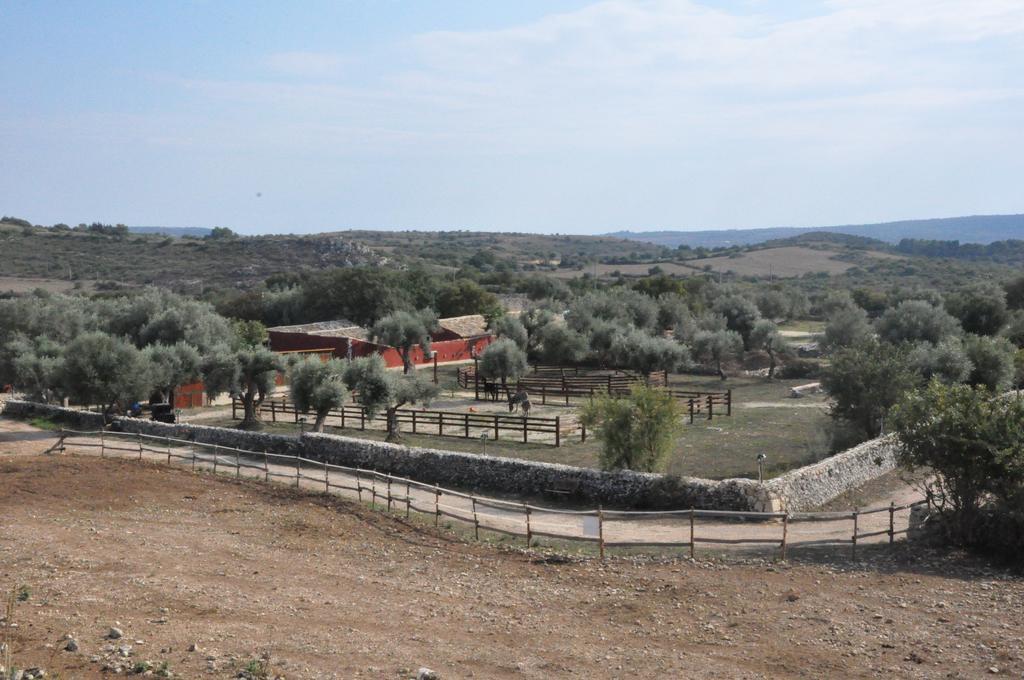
[(974, 229), (176, 232)]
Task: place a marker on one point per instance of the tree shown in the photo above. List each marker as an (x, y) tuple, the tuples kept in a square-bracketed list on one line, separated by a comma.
[(766, 337), (249, 373), (33, 366), (512, 328), (981, 309), (360, 294), (404, 331), (378, 389), (971, 440), (318, 386), (674, 314), (221, 233), (772, 304), (740, 315), (992, 361), (559, 344), (645, 353), (847, 327), (946, 362), (101, 369), (172, 366), (248, 334), (866, 381), (467, 297), (1015, 293), (916, 321), (638, 431), (503, 360), (717, 347)]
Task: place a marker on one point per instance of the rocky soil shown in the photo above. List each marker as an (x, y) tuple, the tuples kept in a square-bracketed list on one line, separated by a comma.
[(209, 577)]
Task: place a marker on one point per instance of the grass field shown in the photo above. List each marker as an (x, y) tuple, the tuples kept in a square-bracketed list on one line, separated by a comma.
[(791, 432), (786, 262)]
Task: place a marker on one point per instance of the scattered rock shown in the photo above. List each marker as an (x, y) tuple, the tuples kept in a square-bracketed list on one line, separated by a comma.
[(71, 645), (427, 674), (115, 634)]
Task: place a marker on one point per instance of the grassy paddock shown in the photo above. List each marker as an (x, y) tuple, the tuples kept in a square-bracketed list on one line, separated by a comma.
[(791, 432)]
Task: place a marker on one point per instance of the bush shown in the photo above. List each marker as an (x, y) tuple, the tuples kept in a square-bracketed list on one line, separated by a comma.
[(797, 369), (638, 431)]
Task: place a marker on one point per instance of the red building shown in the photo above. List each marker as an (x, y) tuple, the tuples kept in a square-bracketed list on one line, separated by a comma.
[(456, 339)]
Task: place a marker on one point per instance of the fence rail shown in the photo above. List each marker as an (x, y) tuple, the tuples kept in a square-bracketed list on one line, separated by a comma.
[(565, 386), (674, 529), (438, 423)]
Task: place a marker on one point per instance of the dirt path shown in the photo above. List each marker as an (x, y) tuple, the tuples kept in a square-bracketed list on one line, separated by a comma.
[(324, 588), (763, 536)]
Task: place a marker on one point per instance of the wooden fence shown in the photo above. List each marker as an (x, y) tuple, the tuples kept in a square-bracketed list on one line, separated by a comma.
[(604, 528), (565, 387), (437, 423)]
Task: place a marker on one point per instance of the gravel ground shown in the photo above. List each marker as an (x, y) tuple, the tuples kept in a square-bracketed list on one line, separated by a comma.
[(324, 588)]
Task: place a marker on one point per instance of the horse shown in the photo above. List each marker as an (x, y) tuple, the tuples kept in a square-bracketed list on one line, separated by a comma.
[(490, 390)]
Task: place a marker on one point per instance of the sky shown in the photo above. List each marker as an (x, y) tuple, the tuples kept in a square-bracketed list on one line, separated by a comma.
[(555, 116)]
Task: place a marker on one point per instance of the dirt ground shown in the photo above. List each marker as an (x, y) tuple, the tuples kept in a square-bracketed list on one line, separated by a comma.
[(325, 588)]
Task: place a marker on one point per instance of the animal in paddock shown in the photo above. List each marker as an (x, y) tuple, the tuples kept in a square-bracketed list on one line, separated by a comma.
[(521, 399), (490, 390)]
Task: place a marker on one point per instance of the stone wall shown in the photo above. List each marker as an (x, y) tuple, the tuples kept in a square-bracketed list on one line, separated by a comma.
[(799, 490), (814, 485)]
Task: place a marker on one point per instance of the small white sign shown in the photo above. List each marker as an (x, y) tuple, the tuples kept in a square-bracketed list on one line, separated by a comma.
[(591, 526)]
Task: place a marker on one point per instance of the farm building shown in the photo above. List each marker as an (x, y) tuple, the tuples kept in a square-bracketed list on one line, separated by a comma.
[(456, 339)]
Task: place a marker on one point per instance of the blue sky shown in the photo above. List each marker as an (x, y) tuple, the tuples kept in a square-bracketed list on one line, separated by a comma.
[(571, 117)]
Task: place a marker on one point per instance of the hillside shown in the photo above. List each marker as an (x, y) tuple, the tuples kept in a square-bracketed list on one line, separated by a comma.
[(974, 229), (107, 254), (177, 232)]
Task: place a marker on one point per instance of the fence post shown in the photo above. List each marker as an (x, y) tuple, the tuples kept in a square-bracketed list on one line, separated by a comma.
[(692, 540), (525, 431), (389, 493), (437, 506), (359, 486), (543, 394), (558, 430), (855, 516), (343, 416), (234, 405), (238, 465), (266, 467), (495, 428), (711, 407), (298, 471), (215, 458), (138, 440), (362, 418), (273, 412), (413, 421), (167, 442), (785, 531), (529, 531), (892, 522), (103, 446), (691, 410), (583, 428), (408, 498), (440, 423), (327, 477), (465, 421), (476, 521), (728, 402), (600, 531), (192, 448)]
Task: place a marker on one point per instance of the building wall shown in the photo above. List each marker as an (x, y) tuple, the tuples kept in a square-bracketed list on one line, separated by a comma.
[(447, 350)]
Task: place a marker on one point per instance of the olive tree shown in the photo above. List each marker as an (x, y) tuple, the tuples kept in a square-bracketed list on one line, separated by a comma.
[(249, 373), (512, 328), (717, 347), (32, 366), (740, 315), (503, 360), (378, 389), (101, 369), (847, 326), (992, 361), (645, 353), (765, 336), (559, 344), (172, 366), (637, 431), (916, 321), (946, 362), (404, 331), (866, 381), (317, 386)]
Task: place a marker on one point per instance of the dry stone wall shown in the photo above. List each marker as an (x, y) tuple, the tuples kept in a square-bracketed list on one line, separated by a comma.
[(802, 489)]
